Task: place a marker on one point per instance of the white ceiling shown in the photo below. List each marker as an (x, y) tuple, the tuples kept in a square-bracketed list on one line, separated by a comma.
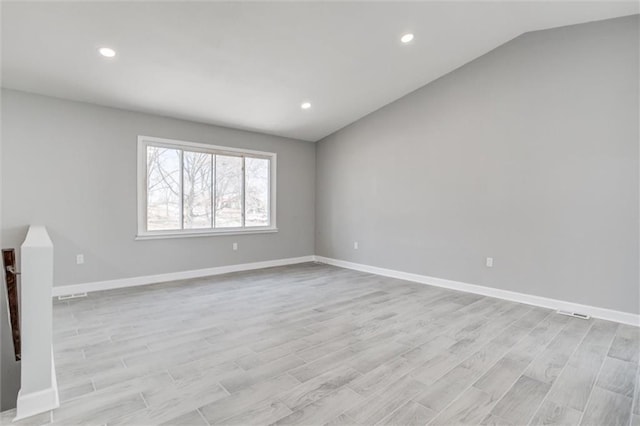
[(250, 65)]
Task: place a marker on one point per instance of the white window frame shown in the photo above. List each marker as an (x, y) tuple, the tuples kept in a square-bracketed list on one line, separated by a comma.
[(144, 234)]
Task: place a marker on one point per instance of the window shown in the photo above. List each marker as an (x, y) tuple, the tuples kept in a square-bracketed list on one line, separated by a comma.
[(190, 189)]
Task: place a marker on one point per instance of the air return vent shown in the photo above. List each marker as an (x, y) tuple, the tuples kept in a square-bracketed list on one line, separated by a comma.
[(72, 296), (574, 314)]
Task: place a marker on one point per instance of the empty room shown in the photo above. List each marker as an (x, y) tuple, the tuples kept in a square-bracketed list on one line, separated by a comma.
[(320, 213)]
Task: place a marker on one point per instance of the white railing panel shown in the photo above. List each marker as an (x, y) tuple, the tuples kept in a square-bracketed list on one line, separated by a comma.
[(38, 388)]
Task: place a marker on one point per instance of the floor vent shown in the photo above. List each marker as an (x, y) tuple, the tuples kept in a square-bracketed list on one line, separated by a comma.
[(72, 296), (574, 314)]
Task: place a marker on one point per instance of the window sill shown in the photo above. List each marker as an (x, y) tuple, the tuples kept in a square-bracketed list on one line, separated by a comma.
[(207, 233)]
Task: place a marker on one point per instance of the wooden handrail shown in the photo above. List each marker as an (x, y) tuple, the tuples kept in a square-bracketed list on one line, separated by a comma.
[(11, 276)]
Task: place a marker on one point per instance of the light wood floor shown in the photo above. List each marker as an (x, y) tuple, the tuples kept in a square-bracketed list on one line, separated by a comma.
[(314, 345)]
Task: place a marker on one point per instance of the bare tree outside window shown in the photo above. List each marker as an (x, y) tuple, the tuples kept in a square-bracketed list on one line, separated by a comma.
[(200, 190), (256, 192), (228, 200), (163, 188), (197, 172)]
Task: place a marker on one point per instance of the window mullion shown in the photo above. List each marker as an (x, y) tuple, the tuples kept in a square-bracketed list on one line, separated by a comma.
[(244, 202), (146, 188), (213, 191), (181, 189)]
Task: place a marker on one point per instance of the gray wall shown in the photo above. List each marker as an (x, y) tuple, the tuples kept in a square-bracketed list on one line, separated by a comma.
[(528, 154), (9, 368), (72, 167)]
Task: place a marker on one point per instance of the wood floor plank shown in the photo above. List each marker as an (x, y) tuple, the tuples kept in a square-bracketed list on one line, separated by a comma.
[(380, 405), (484, 359), (470, 408), (625, 349), (410, 414), (636, 397), (244, 379), (318, 387), (192, 418), (520, 403), (341, 420), (322, 365), (315, 344), (264, 415), (111, 410), (551, 413), (548, 365), (371, 358), (607, 408), (323, 410), (75, 391), (430, 349), (102, 404), (618, 376), (573, 386), (7, 418), (246, 399), (493, 420), (383, 376), (444, 390), (499, 378)]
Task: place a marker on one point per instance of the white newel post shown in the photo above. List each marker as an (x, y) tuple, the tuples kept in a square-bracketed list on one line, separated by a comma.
[(38, 388)]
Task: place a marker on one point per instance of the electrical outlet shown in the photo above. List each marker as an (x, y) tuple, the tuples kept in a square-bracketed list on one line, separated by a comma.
[(489, 262), (79, 259), (235, 246), (355, 245)]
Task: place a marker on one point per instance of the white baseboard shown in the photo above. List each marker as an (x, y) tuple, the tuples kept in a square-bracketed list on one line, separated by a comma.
[(32, 403), (545, 302), (66, 290), (529, 299), (36, 403)]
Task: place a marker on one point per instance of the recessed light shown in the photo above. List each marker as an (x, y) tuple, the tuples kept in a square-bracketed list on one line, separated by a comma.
[(305, 105), (107, 52), (406, 38)]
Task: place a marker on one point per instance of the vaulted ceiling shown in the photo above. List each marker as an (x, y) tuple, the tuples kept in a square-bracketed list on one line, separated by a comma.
[(252, 65)]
